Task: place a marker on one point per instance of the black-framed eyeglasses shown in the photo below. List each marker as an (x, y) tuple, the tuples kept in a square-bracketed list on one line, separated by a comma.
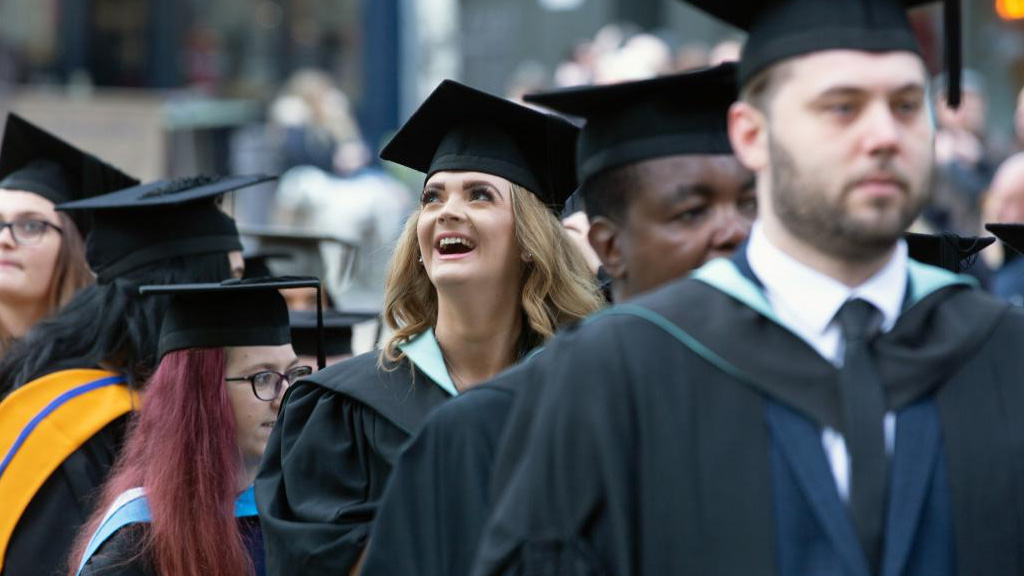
[(30, 231), (266, 385)]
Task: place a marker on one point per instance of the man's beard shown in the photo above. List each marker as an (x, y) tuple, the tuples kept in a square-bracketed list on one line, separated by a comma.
[(805, 209)]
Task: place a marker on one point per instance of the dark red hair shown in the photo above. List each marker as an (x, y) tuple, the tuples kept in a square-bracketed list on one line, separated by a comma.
[(181, 448)]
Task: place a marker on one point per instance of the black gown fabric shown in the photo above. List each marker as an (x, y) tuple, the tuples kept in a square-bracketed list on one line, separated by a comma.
[(42, 541), (324, 471), (439, 494), (648, 456), (120, 555)]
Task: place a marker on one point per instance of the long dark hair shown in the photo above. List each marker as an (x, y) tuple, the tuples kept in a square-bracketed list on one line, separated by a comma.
[(108, 324)]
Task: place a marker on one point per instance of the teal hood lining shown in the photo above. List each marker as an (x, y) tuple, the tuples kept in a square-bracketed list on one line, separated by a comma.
[(425, 353), (723, 275)]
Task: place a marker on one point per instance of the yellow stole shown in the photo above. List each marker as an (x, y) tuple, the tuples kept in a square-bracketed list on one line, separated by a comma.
[(44, 422)]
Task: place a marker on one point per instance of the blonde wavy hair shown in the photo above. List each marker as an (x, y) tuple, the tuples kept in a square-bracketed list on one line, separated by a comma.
[(557, 288)]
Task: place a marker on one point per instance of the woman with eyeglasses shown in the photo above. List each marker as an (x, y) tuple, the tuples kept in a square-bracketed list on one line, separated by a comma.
[(69, 385), (42, 251), (179, 502)]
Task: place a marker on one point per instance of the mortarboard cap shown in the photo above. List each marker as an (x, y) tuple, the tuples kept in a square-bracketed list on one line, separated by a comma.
[(460, 128), (782, 29), (327, 257), (257, 262), (946, 250), (337, 331), (1010, 234), (229, 313), (635, 121), (159, 220), (34, 160)]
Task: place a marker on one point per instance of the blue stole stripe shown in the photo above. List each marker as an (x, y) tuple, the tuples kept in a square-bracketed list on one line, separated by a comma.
[(50, 408), (136, 510)]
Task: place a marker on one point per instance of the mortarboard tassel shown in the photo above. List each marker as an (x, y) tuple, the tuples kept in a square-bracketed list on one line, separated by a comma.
[(321, 355), (954, 47)]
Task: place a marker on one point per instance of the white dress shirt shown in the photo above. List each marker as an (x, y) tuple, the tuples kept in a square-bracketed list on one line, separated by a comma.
[(807, 301)]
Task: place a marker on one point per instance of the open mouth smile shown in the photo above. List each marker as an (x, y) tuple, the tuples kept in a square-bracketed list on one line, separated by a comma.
[(451, 246)]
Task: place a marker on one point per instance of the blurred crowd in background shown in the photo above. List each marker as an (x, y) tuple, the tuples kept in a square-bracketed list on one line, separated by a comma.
[(310, 90)]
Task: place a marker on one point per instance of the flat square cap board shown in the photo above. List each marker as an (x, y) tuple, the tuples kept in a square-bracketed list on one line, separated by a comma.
[(230, 313), (257, 262), (782, 29), (1011, 234), (946, 250), (681, 114), (306, 253), (458, 128), (337, 330), (34, 160), (159, 220)]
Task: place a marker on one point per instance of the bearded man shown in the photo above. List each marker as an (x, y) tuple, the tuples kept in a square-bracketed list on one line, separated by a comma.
[(819, 403)]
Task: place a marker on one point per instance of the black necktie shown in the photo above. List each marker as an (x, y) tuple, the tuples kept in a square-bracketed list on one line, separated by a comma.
[(863, 401)]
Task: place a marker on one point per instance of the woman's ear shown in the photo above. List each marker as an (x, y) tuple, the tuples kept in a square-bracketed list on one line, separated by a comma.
[(748, 133), (605, 238)]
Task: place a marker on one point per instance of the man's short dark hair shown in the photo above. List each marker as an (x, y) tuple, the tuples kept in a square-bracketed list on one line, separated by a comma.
[(759, 91), (607, 194)]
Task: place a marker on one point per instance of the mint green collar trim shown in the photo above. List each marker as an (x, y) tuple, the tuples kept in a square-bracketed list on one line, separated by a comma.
[(425, 353), (722, 274), (925, 280)]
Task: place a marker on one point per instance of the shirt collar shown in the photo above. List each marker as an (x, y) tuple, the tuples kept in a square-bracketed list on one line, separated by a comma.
[(815, 298), (425, 353)]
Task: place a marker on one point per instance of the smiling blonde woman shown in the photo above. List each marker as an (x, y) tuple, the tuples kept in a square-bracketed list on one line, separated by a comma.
[(482, 274)]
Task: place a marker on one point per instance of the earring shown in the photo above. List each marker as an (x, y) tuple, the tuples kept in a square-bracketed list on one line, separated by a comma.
[(528, 256), (421, 259)]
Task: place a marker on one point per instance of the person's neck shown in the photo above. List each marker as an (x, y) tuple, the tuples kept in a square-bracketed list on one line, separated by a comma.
[(478, 334), (849, 273), (247, 474), (16, 318)]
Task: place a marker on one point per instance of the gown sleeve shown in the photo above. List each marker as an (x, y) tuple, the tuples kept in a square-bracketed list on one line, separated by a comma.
[(120, 555), (320, 480), (553, 515), (437, 498)]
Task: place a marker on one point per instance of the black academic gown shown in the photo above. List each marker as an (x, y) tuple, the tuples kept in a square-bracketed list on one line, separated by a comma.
[(120, 554), (681, 435), (41, 543), (324, 471), (439, 494)]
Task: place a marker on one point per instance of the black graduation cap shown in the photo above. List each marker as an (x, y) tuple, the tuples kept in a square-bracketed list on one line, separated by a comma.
[(229, 313), (337, 331), (781, 29), (325, 256), (946, 250), (634, 121), (1010, 234), (159, 220), (34, 160), (460, 128), (257, 262)]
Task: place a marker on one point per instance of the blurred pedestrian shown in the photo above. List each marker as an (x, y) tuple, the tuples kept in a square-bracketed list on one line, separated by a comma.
[(1004, 204), (964, 158)]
